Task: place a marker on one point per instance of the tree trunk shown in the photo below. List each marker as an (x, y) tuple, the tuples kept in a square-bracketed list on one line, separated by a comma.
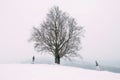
[(57, 59)]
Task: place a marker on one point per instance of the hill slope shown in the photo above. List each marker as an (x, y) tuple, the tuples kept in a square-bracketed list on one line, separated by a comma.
[(51, 72)]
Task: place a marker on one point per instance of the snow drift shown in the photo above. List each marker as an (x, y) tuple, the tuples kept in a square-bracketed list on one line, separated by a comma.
[(51, 72)]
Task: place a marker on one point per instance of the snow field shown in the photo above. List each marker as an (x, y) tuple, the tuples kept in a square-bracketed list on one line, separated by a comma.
[(51, 72)]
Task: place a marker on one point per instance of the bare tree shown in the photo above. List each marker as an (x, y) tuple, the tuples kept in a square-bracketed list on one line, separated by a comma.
[(58, 34)]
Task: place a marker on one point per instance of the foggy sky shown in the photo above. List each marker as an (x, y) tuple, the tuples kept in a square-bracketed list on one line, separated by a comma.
[(100, 18)]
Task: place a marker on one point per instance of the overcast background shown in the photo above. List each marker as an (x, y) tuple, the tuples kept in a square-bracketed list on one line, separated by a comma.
[(101, 19)]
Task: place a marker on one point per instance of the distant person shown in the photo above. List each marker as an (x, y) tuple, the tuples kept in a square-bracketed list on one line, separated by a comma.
[(33, 59), (97, 66)]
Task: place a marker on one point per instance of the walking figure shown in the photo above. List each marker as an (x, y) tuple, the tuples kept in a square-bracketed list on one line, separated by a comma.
[(97, 66), (33, 59)]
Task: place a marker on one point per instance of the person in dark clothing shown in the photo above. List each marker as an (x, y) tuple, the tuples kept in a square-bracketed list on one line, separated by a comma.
[(33, 59), (96, 63), (97, 66)]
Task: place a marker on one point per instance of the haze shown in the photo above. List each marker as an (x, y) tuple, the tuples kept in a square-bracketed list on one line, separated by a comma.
[(100, 18)]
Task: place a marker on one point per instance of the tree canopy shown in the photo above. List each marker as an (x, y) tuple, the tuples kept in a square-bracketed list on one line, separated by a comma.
[(59, 34)]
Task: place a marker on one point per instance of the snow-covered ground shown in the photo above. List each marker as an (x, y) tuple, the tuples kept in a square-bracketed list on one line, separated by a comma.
[(76, 62), (52, 72)]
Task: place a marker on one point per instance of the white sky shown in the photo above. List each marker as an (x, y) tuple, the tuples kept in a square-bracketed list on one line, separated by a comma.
[(101, 19)]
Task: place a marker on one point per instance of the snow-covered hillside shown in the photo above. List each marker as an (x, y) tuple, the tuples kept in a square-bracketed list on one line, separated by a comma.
[(51, 72), (76, 62)]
